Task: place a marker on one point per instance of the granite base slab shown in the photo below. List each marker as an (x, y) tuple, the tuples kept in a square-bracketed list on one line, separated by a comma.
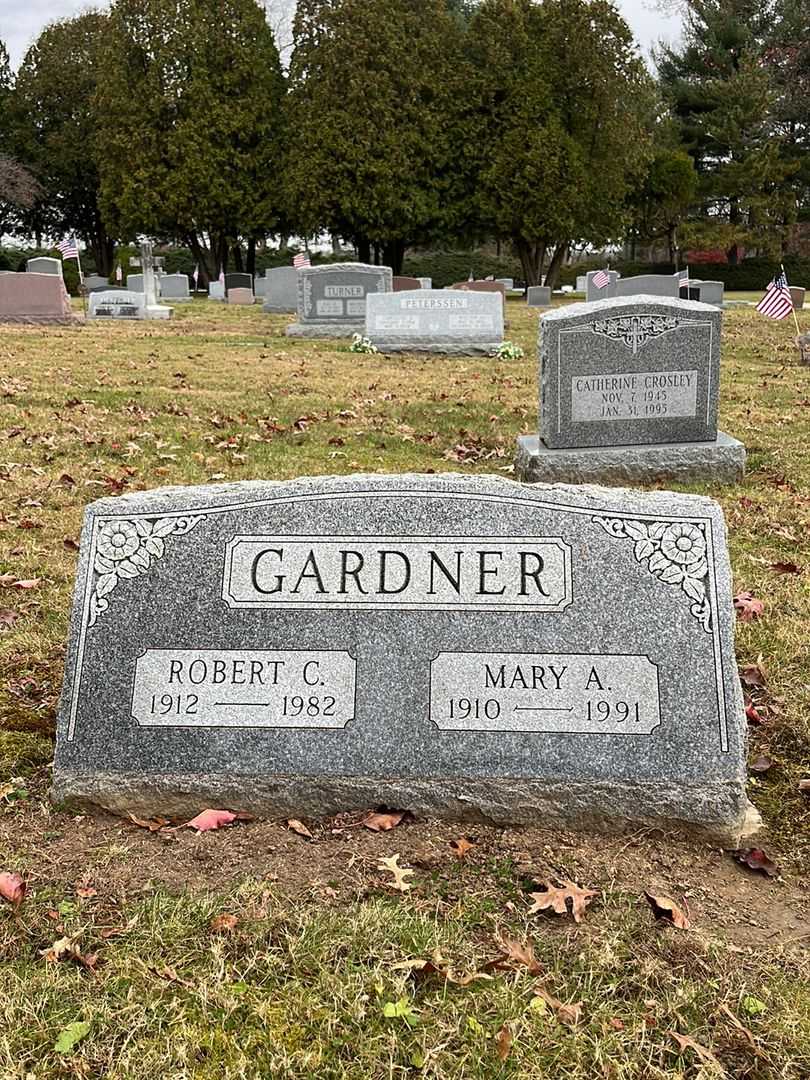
[(717, 810), (445, 348), (721, 461), (324, 330)]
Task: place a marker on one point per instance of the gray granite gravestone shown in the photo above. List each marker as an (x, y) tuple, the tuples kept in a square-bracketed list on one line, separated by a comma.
[(216, 290), (281, 290), (238, 281), (507, 282), (649, 285), (175, 287), (628, 393), (582, 283), (592, 293), (711, 292), (116, 304), (95, 281), (797, 295), (135, 282), (465, 647), (332, 298), (43, 264), (259, 287), (538, 296), (425, 282), (435, 321)]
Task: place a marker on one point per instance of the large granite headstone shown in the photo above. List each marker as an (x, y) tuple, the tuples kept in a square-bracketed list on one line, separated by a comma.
[(332, 298), (44, 264), (628, 394), (434, 321), (464, 647), (281, 290), (175, 287), (34, 298)]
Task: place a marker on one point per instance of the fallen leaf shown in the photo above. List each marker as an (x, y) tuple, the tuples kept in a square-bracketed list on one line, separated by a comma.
[(515, 954), (70, 1036), (664, 907), (686, 1042), (391, 864), (756, 859), (8, 617), (170, 975), (748, 607), (461, 846), (566, 1014), (152, 824), (754, 674), (556, 898), (27, 583), (760, 764), (85, 892), (12, 888), (616, 1023), (786, 568), (296, 826), (214, 819), (224, 923), (67, 948), (440, 968), (804, 786), (503, 1041), (70, 544), (384, 821), (753, 715)]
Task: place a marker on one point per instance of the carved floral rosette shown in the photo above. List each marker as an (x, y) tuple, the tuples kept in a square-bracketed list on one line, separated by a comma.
[(127, 548), (675, 553)]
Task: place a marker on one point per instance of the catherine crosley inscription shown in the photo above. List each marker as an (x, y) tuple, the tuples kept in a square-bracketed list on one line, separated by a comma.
[(463, 646)]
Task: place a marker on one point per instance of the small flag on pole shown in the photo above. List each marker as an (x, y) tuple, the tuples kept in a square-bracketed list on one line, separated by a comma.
[(777, 303), (302, 259), (196, 276), (119, 274), (600, 279), (222, 276), (68, 249)]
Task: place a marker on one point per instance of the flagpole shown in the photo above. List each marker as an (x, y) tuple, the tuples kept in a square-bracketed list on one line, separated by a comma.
[(792, 308), (81, 277)]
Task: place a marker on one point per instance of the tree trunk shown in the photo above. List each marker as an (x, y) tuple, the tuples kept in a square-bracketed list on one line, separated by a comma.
[(238, 263), (531, 258), (251, 256), (335, 244), (376, 254), (394, 255), (363, 249), (554, 267)]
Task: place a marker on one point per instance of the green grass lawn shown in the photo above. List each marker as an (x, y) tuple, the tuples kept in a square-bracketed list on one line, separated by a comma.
[(318, 975)]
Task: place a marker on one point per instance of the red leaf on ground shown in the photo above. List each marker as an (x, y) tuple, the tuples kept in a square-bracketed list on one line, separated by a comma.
[(383, 822), (664, 907), (27, 583), (756, 859), (752, 714), (786, 568), (211, 819), (748, 607), (12, 888)]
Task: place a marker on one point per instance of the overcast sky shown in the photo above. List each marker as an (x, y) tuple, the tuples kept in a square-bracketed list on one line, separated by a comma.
[(22, 20)]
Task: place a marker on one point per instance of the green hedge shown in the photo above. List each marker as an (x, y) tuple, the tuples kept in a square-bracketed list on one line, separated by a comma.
[(750, 275), (448, 267)]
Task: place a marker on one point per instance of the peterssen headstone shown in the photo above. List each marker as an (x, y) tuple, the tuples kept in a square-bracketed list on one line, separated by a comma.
[(629, 393), (281, 290), (332, 298), (435, 321), (432, 642)]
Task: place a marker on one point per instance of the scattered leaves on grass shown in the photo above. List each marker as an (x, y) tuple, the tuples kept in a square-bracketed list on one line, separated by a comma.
[(786, 568), (756, 859), (503, 1042), (515, 954), (686, 1042), (67, 948), (461, 846), (170, 975), (760, 764), (391, 864), (664, 907), (296, 826), (214, 819), (71, 1036), (152, 824), (566, 1014), (754, 674), (748, 607), (383, 821), (556, 897), (12, 888), (224, 923)]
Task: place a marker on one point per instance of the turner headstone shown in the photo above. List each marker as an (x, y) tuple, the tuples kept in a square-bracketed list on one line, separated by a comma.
[(332, 298), (432, 642)]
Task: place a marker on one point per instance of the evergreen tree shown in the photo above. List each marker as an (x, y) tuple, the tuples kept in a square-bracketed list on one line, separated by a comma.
[(54, 130), (372, 85), (191, 141)]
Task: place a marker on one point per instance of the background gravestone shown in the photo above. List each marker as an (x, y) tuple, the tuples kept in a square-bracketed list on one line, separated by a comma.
[(481, 286), (797, 295), (434, 642), (116, 304), (95, 281), (592, 293), (238, 281), (332, 298), (281, 290), (174, 287), (34, 298), (216, 290), (135, 282), (43, 264), (434, 321), (405, 284), (649, 285), (629, 393), (538, 296), (240, 296)]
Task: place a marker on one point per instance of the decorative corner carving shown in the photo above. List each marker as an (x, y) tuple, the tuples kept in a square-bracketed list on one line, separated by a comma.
[(675, 553), (634, 331), (127, 548)]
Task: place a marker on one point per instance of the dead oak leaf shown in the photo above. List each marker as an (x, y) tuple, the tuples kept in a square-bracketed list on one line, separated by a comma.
[(298, 827), (224, 923), (748, 607), (754, 674), (461, 846), (152, 824), (391, 864), (786, 568), (556, 897), (686, 1042), (664, 907), (383, 821), (566, 1014), (515, 954), (503, 1042)]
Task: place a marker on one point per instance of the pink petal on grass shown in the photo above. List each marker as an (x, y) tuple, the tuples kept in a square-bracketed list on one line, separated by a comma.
[(12, 888)]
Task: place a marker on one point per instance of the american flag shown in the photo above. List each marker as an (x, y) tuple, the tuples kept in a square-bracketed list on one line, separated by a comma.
[(777, 303), (119, 274), (196, 275), (600, 279), (68, 249), (301, 259)]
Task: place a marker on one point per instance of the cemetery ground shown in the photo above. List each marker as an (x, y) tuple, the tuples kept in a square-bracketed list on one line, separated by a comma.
[(258, 950)]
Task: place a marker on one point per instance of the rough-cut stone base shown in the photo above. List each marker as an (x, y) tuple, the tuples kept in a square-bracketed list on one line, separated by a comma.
[(719, 811), (275, 309), (445, 348), (722, 462), (158, 311), (324, 330), (40, 320)]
